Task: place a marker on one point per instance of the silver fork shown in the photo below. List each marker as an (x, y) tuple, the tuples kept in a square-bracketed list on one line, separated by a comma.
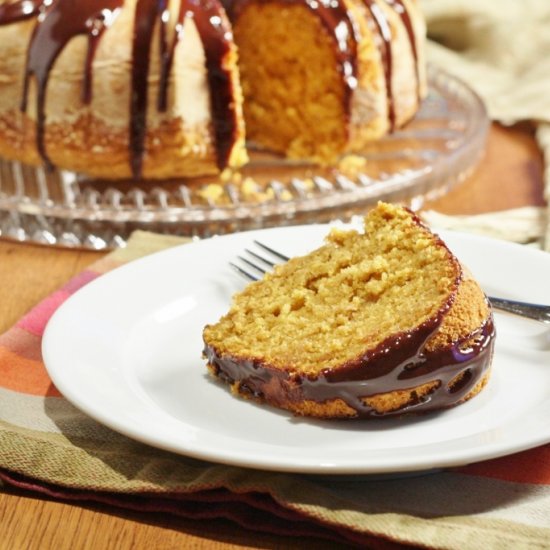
[(257, 265)]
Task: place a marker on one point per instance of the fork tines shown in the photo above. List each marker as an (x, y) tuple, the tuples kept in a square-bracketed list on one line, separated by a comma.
[(260, 264)]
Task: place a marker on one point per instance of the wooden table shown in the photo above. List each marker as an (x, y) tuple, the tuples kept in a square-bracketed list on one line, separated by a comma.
[(509, 176)]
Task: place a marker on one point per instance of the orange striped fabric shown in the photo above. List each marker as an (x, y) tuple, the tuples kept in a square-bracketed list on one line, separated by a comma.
[(532, 466), (21, 366)]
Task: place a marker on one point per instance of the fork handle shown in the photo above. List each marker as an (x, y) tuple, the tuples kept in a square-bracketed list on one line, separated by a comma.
[(532, 311)]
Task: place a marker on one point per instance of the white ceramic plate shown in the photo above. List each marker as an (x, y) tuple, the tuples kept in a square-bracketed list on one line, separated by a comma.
[(126, 350)]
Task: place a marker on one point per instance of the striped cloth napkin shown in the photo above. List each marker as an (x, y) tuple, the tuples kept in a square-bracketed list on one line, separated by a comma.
[(49, 447)]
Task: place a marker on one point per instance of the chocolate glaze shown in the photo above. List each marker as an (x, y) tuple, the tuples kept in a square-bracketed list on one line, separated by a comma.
[(56, 25), (216, 35), (468, 358), (209, 20), (148, 13), (335, 18), (62, 20), (20, 10), (384, 31), (402, 11)]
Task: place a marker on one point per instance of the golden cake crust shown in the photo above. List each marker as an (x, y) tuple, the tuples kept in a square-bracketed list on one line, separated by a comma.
[(90, 146)]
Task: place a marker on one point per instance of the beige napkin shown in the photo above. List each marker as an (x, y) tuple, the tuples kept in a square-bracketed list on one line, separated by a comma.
[(525, 225), (501, 49)]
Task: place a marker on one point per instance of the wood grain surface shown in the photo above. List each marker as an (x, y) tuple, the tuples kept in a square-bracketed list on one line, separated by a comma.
[(509, 176)]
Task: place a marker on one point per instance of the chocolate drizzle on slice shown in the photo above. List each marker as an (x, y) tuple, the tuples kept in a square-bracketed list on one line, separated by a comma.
[(454, 371), (57, 24), (19, 11), (402, 361)]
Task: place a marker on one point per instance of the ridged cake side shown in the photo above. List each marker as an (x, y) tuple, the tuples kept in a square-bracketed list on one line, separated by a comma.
[(120, 88)]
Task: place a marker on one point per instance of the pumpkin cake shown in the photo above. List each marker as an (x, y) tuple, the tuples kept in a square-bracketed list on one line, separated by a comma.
[(372, 324)]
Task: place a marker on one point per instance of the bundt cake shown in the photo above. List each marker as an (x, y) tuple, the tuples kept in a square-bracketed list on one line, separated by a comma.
[(371, 324), (152, 88)]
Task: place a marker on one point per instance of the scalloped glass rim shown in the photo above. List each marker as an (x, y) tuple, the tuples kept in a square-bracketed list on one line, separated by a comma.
[(436, 150)]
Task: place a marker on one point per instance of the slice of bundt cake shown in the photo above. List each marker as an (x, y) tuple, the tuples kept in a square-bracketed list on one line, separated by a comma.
[(371, 324)]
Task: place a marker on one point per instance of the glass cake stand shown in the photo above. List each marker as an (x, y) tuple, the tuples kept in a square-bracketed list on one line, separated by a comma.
[(435, 151)]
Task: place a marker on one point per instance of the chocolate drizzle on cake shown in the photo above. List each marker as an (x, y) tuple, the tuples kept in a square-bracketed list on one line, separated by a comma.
[(335, 18), (384, 31), (212, 29), (215, 34), (57, 24), (402, 11), (19, 11), (59, 21)]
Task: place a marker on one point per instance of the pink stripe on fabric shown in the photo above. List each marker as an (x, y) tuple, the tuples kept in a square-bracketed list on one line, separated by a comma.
[(22, 343), (35, 321)]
